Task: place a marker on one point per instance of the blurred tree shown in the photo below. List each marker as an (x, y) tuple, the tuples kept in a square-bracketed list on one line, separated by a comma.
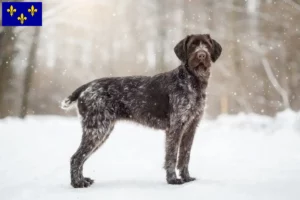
[(29, 71), (7, 54), (162, 29), (6, 71)]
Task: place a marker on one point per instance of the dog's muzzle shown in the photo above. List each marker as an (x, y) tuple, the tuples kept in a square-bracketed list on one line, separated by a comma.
[(201, 55)]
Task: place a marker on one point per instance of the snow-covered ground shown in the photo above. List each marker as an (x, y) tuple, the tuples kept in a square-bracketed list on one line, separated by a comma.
[(233, 157)]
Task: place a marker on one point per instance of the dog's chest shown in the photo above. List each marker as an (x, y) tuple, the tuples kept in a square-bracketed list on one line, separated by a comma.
[(196, 100)]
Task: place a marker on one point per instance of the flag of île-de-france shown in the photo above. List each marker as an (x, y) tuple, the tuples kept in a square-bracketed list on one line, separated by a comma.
[(21, 13)]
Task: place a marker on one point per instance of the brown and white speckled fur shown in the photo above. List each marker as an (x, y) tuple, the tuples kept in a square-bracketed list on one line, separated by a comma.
[(173, 101)]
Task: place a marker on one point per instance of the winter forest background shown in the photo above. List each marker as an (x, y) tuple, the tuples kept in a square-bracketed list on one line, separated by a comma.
[(259, 70)]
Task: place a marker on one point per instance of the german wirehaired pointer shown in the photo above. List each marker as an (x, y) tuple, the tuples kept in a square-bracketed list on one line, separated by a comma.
[(172, 101)]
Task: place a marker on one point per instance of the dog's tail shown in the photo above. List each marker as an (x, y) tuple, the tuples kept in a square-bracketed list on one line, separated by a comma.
[(68, 102)]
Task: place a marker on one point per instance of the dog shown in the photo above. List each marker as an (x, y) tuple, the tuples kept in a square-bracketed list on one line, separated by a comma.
[(173, 101)]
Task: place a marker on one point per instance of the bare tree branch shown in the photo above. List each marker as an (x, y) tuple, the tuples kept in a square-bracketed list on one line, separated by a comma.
[(275, 83), (293, 4)]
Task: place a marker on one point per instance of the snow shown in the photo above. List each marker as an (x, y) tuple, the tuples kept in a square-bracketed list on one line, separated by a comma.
[(233, 157)]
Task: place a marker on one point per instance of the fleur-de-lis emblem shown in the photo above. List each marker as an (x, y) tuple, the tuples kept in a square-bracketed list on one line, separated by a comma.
[(32, 10), (11, 10), (22, 18)]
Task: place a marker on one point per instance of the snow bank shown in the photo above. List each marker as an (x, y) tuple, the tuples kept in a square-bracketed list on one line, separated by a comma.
[(286, 120), (233, 157)]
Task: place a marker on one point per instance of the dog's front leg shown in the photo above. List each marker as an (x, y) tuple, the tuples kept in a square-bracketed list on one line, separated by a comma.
[(185, 149), (173, 135)]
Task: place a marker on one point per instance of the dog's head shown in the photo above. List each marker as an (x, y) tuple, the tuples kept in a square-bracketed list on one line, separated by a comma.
[(198, 51)]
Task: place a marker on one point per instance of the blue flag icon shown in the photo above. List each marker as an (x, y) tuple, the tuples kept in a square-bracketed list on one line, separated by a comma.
[(22, 13)]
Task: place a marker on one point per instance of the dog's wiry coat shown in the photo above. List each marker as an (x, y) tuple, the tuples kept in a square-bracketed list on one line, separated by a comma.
[(173, 101)]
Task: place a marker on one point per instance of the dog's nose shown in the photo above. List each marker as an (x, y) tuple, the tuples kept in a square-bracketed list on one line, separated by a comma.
[(201, 55)]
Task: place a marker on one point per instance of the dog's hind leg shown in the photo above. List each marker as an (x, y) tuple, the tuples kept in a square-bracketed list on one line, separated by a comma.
[(96, 130)]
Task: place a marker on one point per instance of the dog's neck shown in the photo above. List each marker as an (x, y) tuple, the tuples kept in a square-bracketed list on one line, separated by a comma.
[(198, 81), (200, 76)]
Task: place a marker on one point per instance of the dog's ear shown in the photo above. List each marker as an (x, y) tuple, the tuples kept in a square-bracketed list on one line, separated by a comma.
[(208, 36), (181, 49), (217, 50)]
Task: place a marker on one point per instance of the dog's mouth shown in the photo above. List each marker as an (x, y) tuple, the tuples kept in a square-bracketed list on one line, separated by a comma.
[(198, 65), (202, 65)]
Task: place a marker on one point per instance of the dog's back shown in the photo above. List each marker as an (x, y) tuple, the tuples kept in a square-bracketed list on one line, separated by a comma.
[(139, 98)]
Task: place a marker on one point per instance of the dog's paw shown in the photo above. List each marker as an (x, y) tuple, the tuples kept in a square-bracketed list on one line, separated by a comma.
[(91, 181), (188, 179), (83, 183), (176, 181)]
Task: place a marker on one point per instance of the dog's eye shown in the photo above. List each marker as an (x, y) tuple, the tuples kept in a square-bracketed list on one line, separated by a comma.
[(204, 42), (195, 44)]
